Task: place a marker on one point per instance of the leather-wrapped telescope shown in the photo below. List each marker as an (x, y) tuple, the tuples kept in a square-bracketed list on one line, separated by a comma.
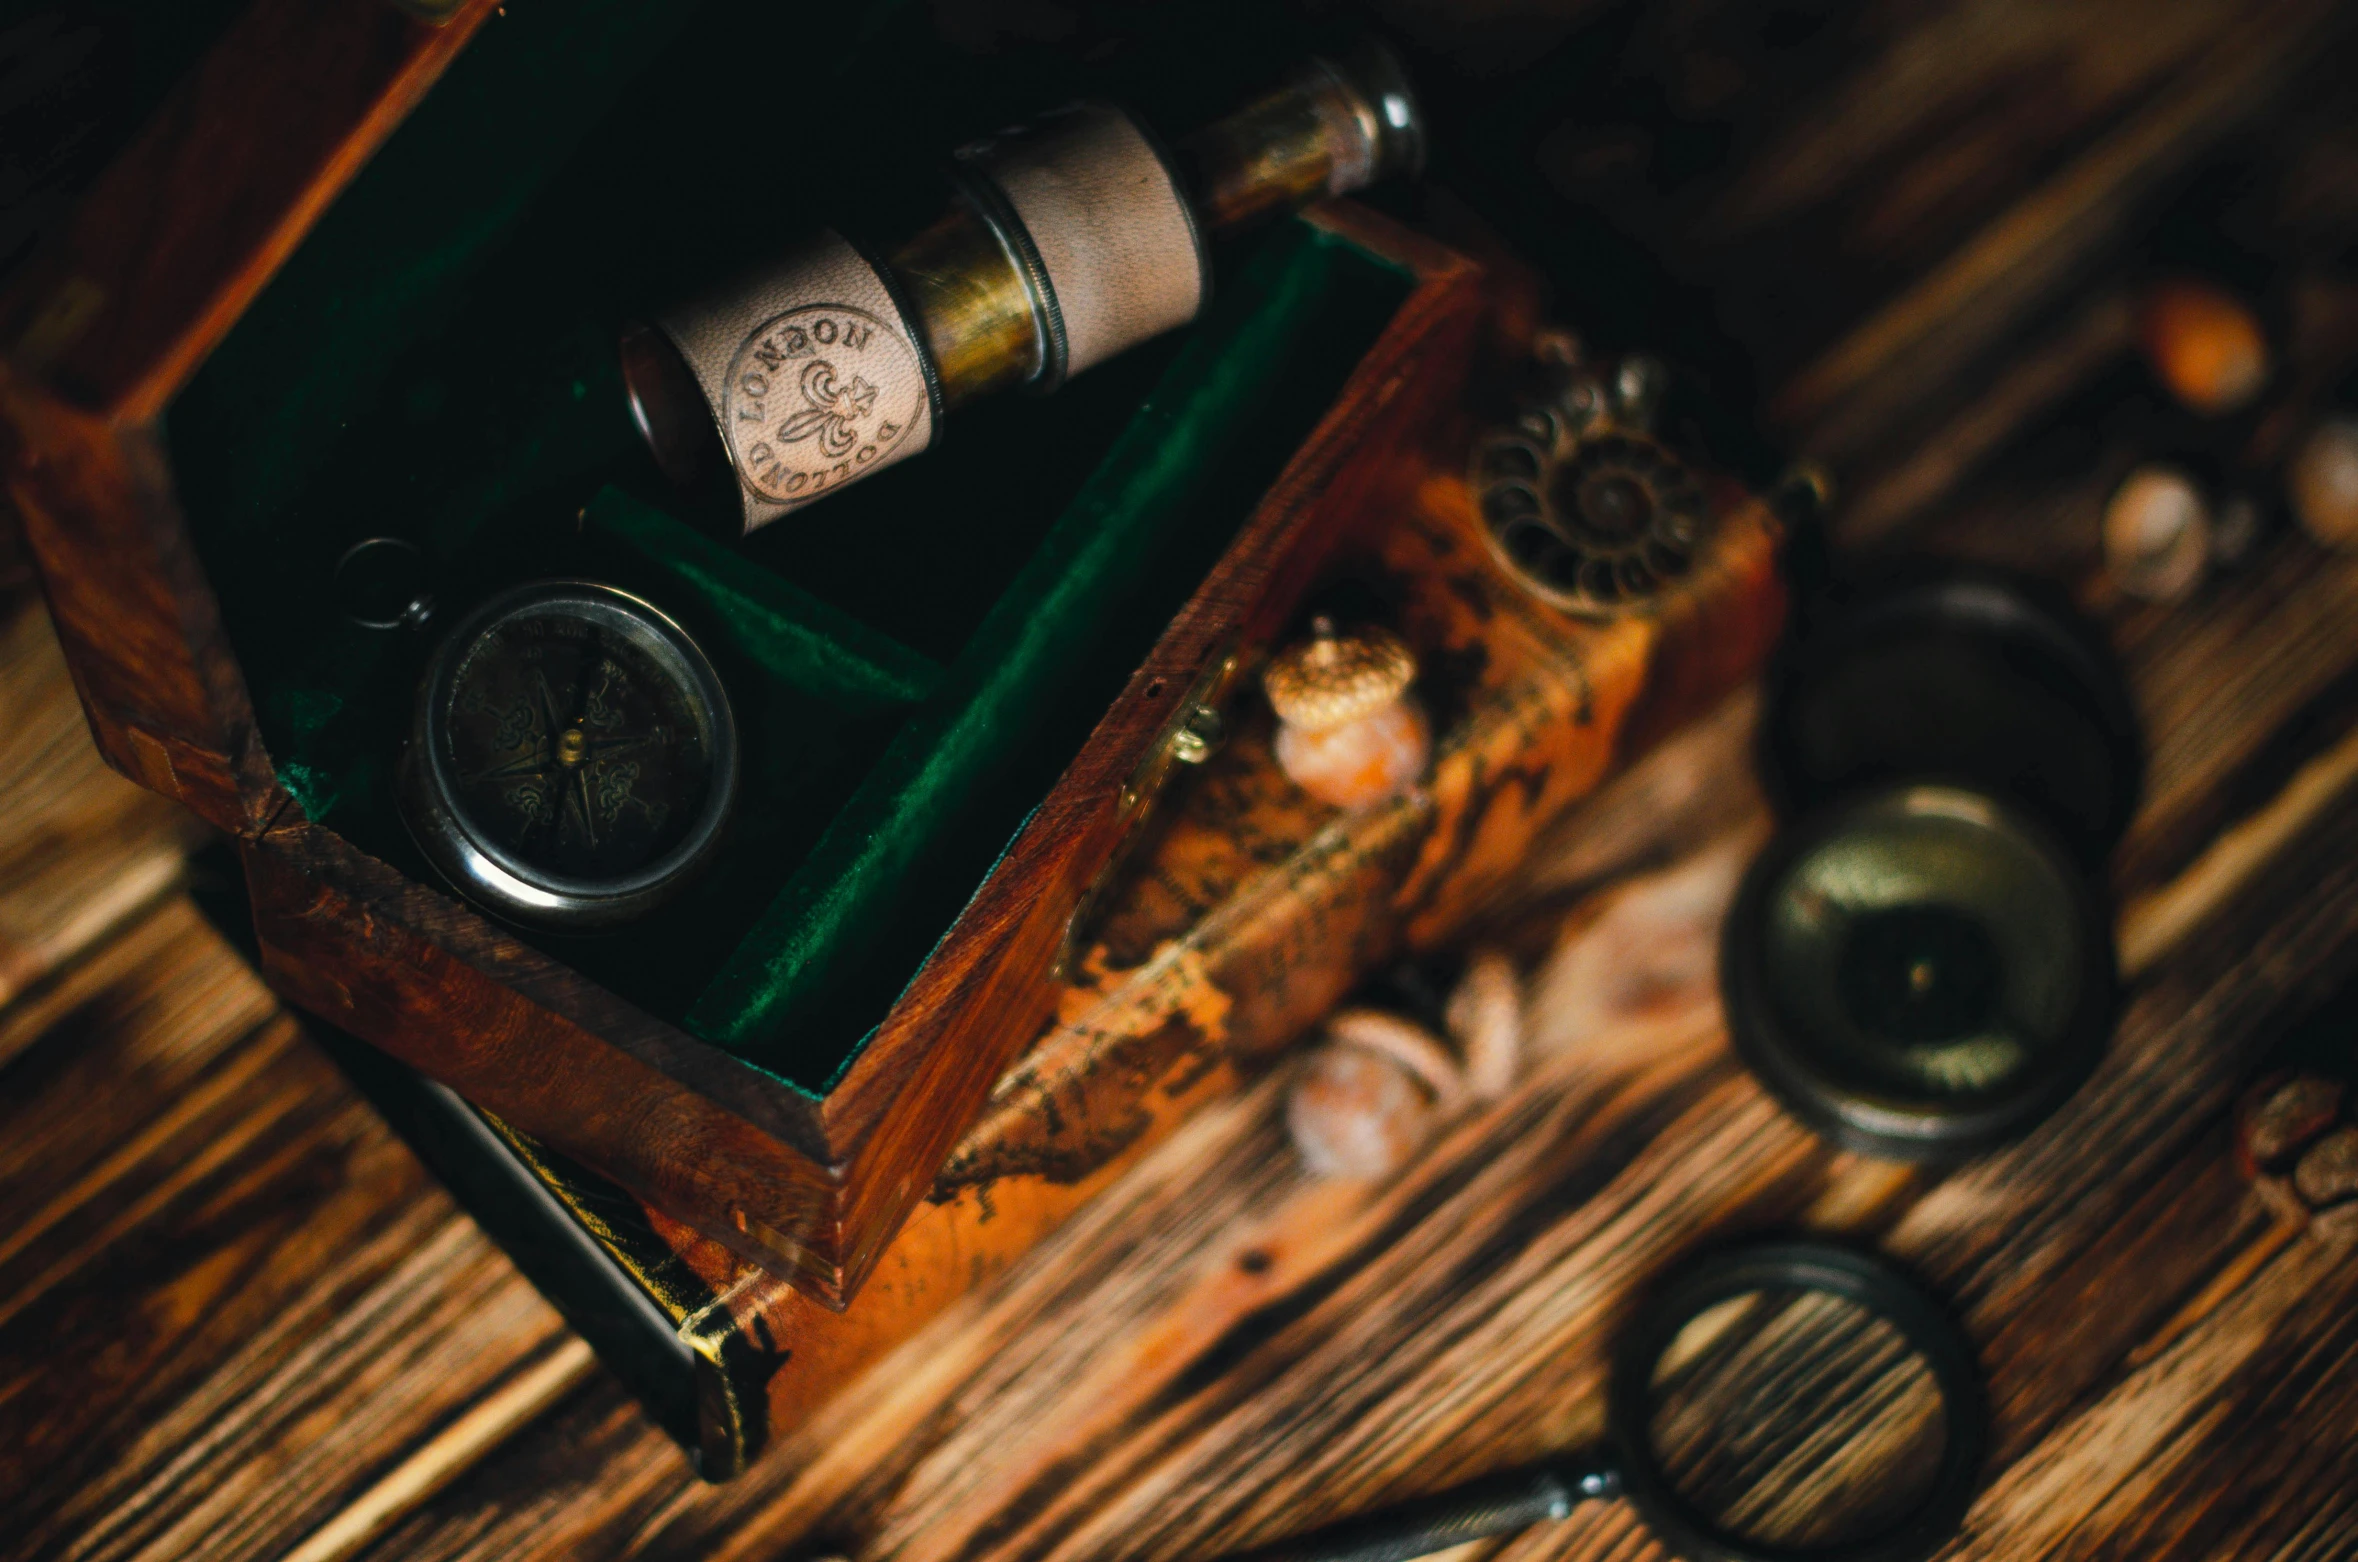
[(1066, 241)]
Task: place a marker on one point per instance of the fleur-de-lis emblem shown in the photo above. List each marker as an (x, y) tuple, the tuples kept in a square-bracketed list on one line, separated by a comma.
[(834, 410)]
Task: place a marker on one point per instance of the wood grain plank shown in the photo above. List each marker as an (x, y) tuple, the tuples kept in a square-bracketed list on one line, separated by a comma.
[(227, 1294), (2217, 680), (449, 1452), (1852, 394), (2125, 1476), (83, 852)]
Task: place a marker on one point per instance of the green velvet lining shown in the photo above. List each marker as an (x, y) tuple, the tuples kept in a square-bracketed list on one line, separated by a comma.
[(1045, 623), (911, 663), (792, 635)]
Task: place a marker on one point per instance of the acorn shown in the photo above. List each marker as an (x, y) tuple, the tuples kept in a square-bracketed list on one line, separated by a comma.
[(2323, 483), (1366, 1100), (1406, 1043), (1349, 732), (2205, 344), (1354, 1114), (2157, 534)]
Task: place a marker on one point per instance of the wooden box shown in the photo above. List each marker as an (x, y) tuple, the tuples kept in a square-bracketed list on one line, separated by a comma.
[(359, 276), (315, 301)]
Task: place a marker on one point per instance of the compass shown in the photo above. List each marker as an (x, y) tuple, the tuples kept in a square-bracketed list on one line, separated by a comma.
[(572, 759)]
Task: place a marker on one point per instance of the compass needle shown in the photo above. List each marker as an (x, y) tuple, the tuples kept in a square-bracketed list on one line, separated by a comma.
[(548, 704), (534, 765), (627, 743), (581, 790)]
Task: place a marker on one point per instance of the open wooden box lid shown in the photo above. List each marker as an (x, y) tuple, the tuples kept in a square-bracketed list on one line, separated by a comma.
[(807, 1176)]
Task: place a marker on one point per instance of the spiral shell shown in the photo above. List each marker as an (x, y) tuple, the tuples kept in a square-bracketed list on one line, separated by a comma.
[(1352, 1113), (1598, 528)]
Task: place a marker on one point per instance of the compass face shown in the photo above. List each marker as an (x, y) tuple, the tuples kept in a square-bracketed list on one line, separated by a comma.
[(573, 748), (573, 756)]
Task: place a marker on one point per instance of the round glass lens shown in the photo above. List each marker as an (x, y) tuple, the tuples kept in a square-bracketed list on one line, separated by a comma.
[(1796, 1419), (580, 751), (1926, 955)]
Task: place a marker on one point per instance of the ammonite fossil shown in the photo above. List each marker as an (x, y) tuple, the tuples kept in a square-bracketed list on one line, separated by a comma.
[(1586, 505)]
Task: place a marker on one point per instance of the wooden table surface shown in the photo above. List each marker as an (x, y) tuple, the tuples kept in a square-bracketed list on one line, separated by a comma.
[(238, 1320)]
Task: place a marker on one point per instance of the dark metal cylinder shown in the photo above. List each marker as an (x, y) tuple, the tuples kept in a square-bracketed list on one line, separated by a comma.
[(1333, 127)]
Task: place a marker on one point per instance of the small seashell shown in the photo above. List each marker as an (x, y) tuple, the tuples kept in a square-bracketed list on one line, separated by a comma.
[(2323, 482), (2157, 534), (1485, 1018), (1349, 734), (1364, 1101), (1407, 1044), (2205, 344), (1355, 1113)]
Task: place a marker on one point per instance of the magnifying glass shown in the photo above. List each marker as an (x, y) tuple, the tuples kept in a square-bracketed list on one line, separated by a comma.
[(1781, 1401)]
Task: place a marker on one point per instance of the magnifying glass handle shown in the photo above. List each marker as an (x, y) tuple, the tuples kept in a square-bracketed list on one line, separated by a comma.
[(1493, 1505)]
